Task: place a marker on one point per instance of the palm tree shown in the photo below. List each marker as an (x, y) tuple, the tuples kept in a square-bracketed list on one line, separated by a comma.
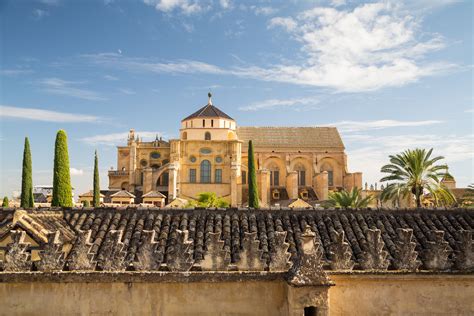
[(352, 199), (416, 172), (468, 196), (209, 199)]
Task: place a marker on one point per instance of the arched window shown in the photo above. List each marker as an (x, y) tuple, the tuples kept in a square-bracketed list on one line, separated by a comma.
[(328, 168), (205, 171), (185, 135), (300, 169), (163, 180), (274, 175), (207, 136), (124, 186)]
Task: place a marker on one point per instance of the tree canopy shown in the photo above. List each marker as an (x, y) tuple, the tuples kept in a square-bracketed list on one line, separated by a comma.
[(252, 178), (62, 191), (96, 184), (209, 199), (27, 200), (349, 199), (416, 172)]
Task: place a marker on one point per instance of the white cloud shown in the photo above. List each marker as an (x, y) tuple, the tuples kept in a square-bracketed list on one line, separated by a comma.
[(287, 23), (264, 10), (358, 126), (142, 64), (111, 78), (296, 104), (370, 152), (45, 115), (15, 72), (115, 139), (370, 47), (188, 27), (226, 4), (127, 91), (183, 6), (50, 2), (39, 14), (337, 3), (76, 172), (68, 88)]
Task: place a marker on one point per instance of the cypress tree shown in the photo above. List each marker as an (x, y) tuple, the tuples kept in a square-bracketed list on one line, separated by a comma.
[(252, 178), (96, 196), (5, 202), (62, 192), (27, 200)]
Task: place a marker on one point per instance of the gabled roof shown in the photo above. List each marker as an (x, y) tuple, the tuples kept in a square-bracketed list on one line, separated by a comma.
[(38, 224), (6, 222), (208, 110), (123, 193), (294, 203), (154, 194), (301, 137), (90, 194)]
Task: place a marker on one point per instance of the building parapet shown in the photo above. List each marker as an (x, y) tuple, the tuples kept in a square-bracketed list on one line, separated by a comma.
[(118, 173)]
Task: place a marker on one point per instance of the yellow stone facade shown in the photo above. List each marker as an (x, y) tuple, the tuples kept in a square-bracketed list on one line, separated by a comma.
[(211, 156)]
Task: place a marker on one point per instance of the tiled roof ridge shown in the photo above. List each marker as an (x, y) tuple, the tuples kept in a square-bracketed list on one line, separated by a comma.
[(369, 240), (216, 112), (123, 193)]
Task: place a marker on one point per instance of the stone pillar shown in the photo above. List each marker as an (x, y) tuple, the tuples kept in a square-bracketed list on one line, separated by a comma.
[(322, 185), (292, 184), (263, 183), (132, 165), (234, 172), (147, 180), (173, 182)]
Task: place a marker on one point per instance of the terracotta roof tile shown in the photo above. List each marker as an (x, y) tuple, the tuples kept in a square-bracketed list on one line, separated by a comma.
[(234, 224), (208, 110), (301, 137), (123, 193)]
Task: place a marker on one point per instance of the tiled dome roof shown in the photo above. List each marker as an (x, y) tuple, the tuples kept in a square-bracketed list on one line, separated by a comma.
[(208, 110)]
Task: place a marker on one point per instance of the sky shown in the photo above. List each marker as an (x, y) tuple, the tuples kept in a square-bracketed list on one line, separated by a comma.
[(391, 75)]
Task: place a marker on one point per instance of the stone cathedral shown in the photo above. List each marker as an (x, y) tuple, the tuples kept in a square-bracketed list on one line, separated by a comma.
[(211, 156)]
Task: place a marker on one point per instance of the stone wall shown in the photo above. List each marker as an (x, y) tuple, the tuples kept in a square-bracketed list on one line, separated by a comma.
[(364, 294), (224, 298), (402, 294)]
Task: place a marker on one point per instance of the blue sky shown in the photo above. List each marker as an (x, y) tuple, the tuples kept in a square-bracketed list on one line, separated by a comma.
[(390, 75)]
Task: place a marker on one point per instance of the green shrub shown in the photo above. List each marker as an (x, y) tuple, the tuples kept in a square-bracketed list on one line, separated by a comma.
[(5, 202)]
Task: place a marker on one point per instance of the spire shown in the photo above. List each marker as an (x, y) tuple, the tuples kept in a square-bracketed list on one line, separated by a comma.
[(210, 98)]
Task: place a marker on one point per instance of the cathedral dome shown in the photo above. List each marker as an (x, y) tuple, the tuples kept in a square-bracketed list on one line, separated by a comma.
[(208, 110)]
